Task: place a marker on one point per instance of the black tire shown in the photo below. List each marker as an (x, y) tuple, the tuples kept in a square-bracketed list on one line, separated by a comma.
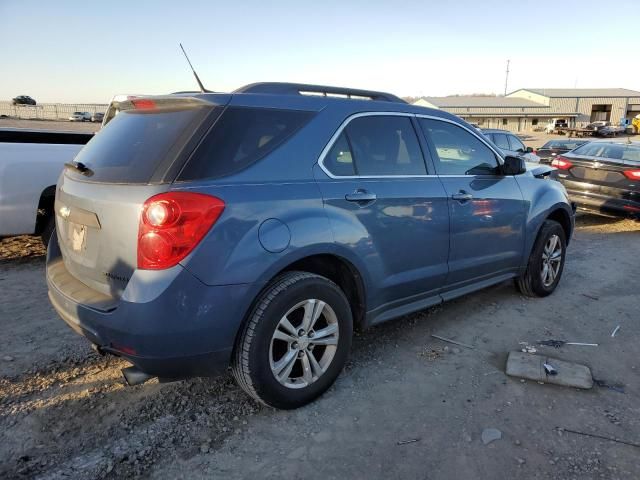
[(531, 282), (49, 228), (251, 360)]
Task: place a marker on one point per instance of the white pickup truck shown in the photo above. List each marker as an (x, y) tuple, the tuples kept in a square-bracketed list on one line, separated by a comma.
[(30, 164)]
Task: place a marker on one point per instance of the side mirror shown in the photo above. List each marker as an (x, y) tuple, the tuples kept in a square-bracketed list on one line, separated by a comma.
[(513, 165), (529, 150)]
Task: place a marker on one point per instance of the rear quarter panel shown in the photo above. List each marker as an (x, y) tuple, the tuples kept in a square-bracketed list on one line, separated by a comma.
[(237, 250)]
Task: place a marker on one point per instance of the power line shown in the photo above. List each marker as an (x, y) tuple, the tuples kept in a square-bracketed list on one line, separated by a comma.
[(506, 78)]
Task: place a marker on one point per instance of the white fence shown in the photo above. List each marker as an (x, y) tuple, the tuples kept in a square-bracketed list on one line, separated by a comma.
[(49, 111)]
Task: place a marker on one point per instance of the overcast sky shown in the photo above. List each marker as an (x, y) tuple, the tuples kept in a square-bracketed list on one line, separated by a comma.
[(84, 51)]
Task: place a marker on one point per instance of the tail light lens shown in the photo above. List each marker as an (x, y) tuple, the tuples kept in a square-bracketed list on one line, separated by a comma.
[(632, 174), (561, 163), (172, 224)]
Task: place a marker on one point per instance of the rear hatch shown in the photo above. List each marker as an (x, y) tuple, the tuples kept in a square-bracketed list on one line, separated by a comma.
[(100, 195), (602, 164)]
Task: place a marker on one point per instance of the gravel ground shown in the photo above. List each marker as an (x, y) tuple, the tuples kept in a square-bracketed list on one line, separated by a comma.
[(407, 406)]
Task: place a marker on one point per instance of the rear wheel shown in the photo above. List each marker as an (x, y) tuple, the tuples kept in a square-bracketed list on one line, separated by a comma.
[(546, 262), (296, 341)]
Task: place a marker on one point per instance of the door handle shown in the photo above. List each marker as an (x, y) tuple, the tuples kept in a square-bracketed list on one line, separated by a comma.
[(462, 196), (361, 196)]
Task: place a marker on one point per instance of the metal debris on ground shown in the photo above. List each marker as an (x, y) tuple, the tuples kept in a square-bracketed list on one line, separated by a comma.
[(589, 296), (549, 369), (602, 437), (444, 339), (615, 330), (615, 388), (560, 343), (411, 440)]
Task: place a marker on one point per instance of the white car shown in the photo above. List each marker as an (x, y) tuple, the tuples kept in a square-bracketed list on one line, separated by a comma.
[(27, 200), (80, 117)]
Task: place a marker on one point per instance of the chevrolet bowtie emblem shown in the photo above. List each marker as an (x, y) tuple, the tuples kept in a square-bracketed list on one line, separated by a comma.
[(65, 212)]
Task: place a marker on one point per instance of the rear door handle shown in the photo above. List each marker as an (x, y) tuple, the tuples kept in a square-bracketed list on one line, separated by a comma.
[(462, 196), (361, 196)]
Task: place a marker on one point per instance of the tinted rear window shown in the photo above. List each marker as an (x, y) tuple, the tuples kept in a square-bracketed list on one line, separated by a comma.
[(136, 143), (241, 137), (562, 144), (614, 151)]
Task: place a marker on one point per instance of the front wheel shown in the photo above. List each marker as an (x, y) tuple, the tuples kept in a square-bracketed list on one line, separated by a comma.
[(546, 262), (295, 342)]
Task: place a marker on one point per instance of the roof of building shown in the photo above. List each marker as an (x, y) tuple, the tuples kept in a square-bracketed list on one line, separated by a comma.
[(477, 101), (582, 92)]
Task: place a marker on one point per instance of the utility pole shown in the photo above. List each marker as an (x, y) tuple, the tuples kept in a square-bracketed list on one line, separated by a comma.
[(506, 78)]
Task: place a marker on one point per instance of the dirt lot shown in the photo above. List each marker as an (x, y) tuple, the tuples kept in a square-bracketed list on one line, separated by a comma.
[(65, 413)]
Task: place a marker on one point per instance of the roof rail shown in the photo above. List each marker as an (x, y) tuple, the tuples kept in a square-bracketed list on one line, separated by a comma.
[(279, 88)]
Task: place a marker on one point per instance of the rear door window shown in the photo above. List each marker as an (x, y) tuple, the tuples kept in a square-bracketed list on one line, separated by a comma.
[(339, 160), (385, 145), (241, 137), (136, 143)]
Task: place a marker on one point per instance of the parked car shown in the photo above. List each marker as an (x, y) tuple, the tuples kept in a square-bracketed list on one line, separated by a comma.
[(557, 147), (80, 117), (510, 144), (97, 117), (30, 164), (603, 177), (257, 229), (605, 129), (23, 100)]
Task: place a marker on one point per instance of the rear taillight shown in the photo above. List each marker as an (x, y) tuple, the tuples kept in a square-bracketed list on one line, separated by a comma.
[(632, 174), (172, 224), (561, 163)]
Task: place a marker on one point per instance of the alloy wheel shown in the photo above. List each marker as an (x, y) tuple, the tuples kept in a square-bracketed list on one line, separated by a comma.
[(304, 343), (551, 260)]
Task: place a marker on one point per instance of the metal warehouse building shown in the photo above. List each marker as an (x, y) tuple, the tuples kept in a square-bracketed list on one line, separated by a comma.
[(530, 108)]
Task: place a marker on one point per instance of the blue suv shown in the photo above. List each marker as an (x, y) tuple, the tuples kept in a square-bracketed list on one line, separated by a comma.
[(257, 229)]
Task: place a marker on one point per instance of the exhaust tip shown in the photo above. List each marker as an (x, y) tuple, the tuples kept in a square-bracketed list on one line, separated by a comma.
[(133, 376)]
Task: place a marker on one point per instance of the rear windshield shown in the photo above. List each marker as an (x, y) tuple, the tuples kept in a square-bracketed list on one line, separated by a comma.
[(562, 144), (136, 143), (613, 151), (241, 137)]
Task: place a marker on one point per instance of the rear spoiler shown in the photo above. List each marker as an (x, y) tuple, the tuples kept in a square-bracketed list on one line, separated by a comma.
[(120, 103)]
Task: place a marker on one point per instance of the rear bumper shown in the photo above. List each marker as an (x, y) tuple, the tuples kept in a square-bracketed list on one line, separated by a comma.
[(613, 202), (187, 330)]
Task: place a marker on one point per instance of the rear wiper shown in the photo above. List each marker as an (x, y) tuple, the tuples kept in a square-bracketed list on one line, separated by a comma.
[(79, 167)]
